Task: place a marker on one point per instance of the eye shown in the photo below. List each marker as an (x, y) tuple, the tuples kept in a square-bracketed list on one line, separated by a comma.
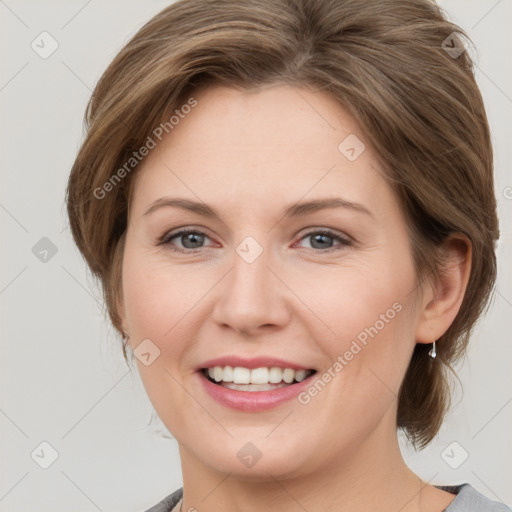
[(189, 238), (322, 239), (193, 239)]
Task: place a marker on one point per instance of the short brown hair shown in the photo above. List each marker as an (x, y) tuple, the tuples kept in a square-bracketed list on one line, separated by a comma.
[(393, 64)]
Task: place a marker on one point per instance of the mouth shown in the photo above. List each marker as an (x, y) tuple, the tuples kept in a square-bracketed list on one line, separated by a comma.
[(255, 379), (253, 384)]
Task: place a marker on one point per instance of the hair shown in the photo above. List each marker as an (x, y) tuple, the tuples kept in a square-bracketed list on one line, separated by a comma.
[(387, 62)]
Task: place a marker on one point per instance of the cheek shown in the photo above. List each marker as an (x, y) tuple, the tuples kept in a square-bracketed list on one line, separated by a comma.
[(351, 298), (159, 301), (371, 317), (158, 295)]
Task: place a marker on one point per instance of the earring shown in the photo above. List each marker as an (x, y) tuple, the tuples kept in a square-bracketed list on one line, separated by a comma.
[(432, 352)]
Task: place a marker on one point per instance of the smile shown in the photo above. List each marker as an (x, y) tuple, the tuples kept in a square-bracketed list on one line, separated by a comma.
[(253, 389), (256, 379)]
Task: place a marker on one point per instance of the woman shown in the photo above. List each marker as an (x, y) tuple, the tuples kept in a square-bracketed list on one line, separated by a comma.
[(290, 206)]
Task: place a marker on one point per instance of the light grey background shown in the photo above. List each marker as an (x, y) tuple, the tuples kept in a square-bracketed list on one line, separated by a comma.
[(63, 379)]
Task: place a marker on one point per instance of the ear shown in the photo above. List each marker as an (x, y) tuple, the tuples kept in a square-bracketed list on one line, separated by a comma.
[(443, 298)]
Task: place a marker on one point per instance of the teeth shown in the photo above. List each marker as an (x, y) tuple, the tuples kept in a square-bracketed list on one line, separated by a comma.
[(288, 375), (259, 376), (256, 376), (300, 375), (240, 375), (253, 387), (227, 375), (217, 373), (275, 375)]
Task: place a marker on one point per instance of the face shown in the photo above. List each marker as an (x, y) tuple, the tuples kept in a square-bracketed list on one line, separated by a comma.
[(264, 282)]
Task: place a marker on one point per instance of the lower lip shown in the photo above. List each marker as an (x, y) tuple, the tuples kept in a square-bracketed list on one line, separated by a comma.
[(253, 401)]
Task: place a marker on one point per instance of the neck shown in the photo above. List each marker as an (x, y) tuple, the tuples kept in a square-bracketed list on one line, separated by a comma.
[(372, 477)]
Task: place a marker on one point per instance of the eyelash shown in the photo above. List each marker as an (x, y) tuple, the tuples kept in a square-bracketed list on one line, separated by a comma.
[(166, 240)]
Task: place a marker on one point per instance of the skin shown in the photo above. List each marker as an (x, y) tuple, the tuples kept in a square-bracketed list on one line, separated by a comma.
[(249, 155)]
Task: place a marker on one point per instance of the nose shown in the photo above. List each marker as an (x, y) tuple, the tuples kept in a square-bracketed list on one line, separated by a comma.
[(252, 298)]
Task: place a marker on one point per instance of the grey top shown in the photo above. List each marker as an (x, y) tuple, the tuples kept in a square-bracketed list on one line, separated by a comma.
[(468, 500)]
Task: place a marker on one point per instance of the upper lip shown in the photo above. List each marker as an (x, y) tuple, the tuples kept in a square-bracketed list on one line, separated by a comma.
[(254, 362)]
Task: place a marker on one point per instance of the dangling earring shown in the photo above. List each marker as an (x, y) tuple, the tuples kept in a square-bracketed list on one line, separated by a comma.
[(432, 352)]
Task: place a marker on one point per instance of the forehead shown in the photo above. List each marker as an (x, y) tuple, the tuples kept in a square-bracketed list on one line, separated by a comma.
[(278, 116), (275, 144)]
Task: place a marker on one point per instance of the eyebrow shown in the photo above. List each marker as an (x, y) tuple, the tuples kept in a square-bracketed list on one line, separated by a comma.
[(294, 210)]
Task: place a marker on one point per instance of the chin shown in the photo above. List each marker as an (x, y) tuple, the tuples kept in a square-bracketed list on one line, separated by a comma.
[(255, 461)]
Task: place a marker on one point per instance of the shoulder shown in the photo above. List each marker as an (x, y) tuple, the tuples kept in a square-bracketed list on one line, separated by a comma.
[(167, 504), (470, 500)]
